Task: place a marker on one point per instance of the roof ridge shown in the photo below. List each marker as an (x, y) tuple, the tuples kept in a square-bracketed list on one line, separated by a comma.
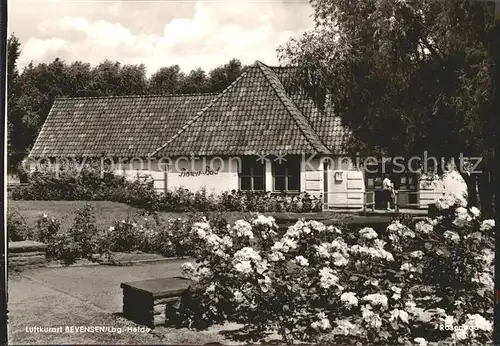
[(299, 118), (200, 113), (133, 96)]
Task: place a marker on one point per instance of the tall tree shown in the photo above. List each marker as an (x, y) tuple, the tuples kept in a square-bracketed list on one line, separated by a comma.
[(166, 80), (220, 77), (194, 82), (420, 69), (14, 120)]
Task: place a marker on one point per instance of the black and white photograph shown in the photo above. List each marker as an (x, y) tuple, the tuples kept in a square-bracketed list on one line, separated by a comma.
[(251, 172)]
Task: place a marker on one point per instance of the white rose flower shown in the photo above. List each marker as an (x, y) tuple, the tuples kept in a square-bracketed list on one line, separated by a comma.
[(417, 254), (397, 293), (318, 226), (486, 225), (339, 259), (301, 261), (276, 256), (410, 306), (452, 235), (333, 229), (420, 341), (278, 246), (340, 245), (460, 334), (265, 221), (475, 212), (407, 267), (187, 268), (243, 229), (322, 323), (327, 278), (379, 243), (449, 320), (399, 314), (345, 327), (376, 299), (238, 297), (479, 322), (424, 227), (368, 233), (244, 267), (349, 298), (210, 288), (289, 244), (204, 272), (323, 250), (201, 233)]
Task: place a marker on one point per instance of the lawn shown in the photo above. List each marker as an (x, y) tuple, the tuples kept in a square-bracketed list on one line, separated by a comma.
[(107, 213)]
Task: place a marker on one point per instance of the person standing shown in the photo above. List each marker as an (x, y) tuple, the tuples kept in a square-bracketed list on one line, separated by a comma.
[(388, 191)]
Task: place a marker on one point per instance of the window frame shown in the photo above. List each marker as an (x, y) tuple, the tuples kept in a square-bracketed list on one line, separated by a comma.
[(286, 175), (252, 175)]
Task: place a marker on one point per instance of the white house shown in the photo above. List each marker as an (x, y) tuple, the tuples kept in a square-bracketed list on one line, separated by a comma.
[(261, 133)]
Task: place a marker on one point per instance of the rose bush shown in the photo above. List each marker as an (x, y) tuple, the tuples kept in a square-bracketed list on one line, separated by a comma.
[(428, 283), (91, 183)]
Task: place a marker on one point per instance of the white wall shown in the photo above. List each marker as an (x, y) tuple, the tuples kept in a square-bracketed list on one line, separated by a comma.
[(432, 187), (223, 176), (345, 184)]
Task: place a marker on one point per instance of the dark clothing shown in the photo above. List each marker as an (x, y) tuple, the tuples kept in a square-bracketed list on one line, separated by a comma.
[(386, 197)]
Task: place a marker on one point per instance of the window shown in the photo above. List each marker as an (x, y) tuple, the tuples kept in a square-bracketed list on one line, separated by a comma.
[(286, 175), (252, 177)]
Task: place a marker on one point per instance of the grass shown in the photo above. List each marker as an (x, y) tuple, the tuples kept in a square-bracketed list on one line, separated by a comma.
[(107, 213)]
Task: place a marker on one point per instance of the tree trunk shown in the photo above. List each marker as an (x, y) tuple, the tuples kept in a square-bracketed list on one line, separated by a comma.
[(486, 192), (470, 180)]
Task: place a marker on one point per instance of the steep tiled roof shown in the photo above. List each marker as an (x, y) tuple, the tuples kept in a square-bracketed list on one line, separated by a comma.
[(328, 127), (114, 126), (253, 115), (258, 113)]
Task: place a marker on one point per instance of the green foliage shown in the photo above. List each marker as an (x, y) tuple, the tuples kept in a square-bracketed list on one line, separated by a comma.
[(48, 232), (422, 69), (89, 184), (17, 229), (313, 283), (84, 230)]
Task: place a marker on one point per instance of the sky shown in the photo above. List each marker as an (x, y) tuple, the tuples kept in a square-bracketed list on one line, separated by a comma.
[(156, 33)]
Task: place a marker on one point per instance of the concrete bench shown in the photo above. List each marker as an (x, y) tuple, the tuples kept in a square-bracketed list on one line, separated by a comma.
[(151, 302)]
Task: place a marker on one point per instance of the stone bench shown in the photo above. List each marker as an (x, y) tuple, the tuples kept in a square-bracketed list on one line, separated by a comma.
[(149, 302), (26, 254)]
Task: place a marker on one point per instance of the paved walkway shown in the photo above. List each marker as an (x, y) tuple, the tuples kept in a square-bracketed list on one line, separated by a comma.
[(79, 296), (97, 285)]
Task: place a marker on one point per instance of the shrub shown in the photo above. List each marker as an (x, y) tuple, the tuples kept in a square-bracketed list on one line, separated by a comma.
[(66, 248), (314, 283), (89, 184), (17, 229), (123, 236), (48, 230), (84, 231)]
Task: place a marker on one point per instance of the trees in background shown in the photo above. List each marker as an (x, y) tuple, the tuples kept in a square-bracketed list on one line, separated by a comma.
[(31, 92), (406, 77)]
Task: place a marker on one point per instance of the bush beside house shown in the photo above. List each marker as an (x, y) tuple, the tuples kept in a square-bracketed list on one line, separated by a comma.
[(90, 185)]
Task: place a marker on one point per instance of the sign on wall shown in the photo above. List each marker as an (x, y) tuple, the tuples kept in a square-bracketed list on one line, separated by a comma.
[(207, 171)]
